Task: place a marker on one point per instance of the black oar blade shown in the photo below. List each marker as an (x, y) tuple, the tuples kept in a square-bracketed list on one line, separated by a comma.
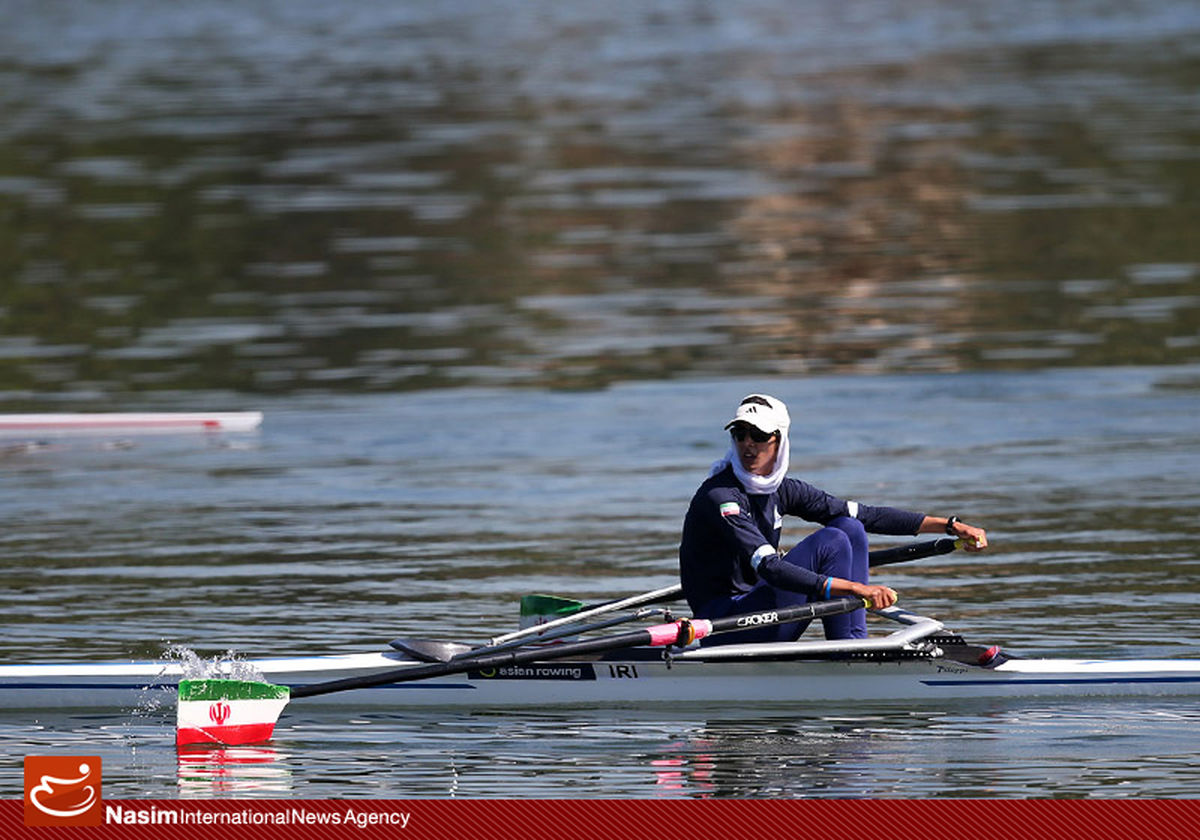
[(429, 650)]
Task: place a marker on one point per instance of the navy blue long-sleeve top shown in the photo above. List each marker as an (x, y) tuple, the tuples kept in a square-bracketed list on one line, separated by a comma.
[(731, 538)]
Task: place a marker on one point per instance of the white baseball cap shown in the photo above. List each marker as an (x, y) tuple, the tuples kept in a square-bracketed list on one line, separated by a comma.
[(764, 413)]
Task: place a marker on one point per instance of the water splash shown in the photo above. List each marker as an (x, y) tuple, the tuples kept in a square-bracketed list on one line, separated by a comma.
[(182, 663), (228, 665)]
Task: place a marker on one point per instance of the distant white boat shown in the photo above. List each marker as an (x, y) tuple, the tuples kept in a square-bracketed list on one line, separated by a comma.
[(129, 422)]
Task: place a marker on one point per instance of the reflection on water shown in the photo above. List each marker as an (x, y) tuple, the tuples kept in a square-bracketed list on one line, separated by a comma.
[(205, 773), (1078, 748), (964, 750), (281, 196), (967, 750)]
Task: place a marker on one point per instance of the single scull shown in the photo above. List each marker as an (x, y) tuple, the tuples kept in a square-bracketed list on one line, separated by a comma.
[(919, 661)]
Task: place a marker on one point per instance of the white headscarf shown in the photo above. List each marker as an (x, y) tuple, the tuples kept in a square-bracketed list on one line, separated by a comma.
[(779, 418)]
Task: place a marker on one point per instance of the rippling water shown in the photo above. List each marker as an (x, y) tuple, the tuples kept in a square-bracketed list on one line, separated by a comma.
[(496, 272), (350, 520), (975, 750)]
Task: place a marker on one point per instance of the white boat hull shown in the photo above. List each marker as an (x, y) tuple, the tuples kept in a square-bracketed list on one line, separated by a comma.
[(129, 686)]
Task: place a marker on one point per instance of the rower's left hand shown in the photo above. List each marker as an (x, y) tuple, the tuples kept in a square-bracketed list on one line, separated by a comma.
[(973, 539)]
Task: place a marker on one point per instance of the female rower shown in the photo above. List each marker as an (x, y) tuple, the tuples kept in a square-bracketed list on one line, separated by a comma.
[(729, 556)]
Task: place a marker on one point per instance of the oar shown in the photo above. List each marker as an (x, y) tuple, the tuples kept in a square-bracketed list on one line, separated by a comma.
[(643, 614), (236, 712), (682, 632), (429, 650), (667, 593)]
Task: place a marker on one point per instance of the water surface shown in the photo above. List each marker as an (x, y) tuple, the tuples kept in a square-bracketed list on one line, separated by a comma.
[(275, 196), (348, 521), (497, 272)]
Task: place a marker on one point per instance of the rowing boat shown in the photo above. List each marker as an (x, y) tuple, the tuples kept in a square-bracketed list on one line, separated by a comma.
[(918, 661), (129, 422)]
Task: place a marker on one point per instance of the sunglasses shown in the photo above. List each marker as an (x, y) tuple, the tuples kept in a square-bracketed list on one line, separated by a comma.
[(739, 434)]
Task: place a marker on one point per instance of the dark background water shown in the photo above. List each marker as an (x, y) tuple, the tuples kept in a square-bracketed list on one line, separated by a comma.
[(280, 196), (497, 272)]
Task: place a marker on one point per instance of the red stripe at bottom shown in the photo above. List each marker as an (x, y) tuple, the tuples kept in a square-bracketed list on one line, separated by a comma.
[(249, 733), (231, 818)]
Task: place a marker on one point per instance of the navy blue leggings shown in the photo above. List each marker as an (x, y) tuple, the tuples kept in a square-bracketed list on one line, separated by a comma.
[(837, 550)]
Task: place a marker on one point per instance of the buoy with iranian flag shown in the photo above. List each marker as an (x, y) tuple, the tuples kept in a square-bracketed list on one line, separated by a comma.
[(220, 711)]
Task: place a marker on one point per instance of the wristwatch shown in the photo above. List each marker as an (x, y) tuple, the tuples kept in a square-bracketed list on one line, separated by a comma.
[(950, 523)]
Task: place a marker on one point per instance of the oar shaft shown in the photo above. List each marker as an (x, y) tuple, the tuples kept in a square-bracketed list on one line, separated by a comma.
[(635, 638), (666, 593), (642, 614), (679, 632)]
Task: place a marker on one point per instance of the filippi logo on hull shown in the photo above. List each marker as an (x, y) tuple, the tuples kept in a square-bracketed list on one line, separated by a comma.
[(63, 790)]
